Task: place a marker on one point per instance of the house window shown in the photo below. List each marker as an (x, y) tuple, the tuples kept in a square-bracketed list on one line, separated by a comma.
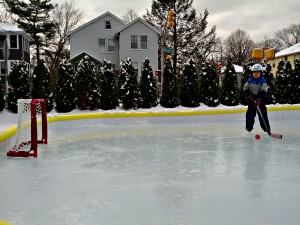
[(140, 42), (143, 42), (134, 41), (102, 45), (107, 25), (107, 45), (13, 41), (111, 45), (2, 39)]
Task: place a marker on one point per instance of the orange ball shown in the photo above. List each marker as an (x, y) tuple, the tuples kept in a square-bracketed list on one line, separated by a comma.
[(257, 136)]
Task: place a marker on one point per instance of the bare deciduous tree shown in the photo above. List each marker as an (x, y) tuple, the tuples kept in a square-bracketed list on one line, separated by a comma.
[(67, 17), (268, 42), (289, 36), (238, 46), (216, 54), (129, 16)]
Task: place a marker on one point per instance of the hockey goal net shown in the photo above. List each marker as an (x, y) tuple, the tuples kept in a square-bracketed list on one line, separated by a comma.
[(31, 128)]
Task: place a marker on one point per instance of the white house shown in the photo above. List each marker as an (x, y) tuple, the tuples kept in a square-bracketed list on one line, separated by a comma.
[(289, 54), (108, 37), (239, 72)]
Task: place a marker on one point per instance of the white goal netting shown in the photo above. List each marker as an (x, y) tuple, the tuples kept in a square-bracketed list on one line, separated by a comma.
[(25, 133)]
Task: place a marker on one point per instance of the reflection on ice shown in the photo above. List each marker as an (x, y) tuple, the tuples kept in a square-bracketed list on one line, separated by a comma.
[(162, 174)]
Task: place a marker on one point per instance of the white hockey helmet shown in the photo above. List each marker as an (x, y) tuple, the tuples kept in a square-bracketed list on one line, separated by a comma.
[(257, 67)]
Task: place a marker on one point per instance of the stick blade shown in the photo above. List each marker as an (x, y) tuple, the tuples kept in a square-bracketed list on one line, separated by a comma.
[(278, 136)]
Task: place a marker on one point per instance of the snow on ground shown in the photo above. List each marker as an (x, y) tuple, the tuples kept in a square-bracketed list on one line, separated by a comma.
[(8, 119)]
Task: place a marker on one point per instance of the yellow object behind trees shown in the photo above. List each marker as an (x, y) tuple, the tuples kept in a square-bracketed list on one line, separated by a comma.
[(270, 54), (259, 53)]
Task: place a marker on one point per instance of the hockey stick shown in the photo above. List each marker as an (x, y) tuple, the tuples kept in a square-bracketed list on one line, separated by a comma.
[(278, 136)]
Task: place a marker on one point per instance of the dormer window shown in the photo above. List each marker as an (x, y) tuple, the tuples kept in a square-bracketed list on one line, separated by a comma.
[(108, 25)]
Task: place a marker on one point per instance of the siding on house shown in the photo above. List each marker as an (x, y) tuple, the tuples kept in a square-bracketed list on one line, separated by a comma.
[(15, 54), (288, 54), (239, 73), (139, 55), (86, 39)]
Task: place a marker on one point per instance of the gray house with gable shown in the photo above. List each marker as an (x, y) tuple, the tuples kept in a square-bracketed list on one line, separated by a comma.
[(108, 37), (14, 46)]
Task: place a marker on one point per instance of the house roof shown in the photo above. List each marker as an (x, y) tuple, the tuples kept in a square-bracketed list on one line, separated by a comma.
[(81, 55), (135, 21), (9, 28), (238, 69), (289, 51), (6, 27), (93, 20)]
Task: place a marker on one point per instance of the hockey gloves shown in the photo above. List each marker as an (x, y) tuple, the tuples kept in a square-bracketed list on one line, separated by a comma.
[(256, 102)]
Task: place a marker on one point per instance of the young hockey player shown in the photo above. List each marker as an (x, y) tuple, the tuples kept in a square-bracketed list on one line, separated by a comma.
[(256, 91)]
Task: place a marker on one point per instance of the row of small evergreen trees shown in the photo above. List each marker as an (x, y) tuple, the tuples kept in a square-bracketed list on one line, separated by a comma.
[(84, 89)]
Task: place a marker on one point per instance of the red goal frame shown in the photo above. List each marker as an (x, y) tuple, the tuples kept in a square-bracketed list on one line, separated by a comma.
[(17, 151)]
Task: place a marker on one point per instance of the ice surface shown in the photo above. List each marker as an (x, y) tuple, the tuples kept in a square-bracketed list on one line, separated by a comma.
[(156, 174)]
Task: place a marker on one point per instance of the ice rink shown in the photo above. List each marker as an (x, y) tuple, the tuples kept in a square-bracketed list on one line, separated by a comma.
[(183, 173)]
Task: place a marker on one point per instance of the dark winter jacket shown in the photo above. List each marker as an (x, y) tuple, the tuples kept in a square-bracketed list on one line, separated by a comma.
[(256, 87)]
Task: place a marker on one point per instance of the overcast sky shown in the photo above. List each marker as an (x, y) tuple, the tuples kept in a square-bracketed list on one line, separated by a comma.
[(259, 18)]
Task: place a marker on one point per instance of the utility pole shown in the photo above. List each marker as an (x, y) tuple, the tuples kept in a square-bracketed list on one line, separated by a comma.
[(172, 24), (6, 56), (162, 44), (174, 40)]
